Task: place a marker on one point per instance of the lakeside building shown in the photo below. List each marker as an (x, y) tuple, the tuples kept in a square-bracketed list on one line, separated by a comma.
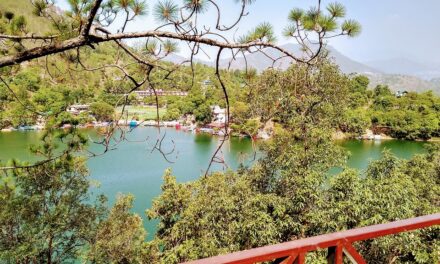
[(219, 114), (78, 109), (219, 119), (159, 92)]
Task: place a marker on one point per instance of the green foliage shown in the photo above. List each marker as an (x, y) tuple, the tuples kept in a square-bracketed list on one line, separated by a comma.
[(227, 212), (102, 111), (26, 9), (172, 114), (315, 20), (262, 32), (203, 113), (165, 11), (120, 237), (336, 9), (217, 214), (54, 101), (249, 127), (18, 24), (359, 95), (351, 27), (198, 6), (45, 217), (382, 90), (287, 96), (9, 16), (355, 122), (408, 116), (413, 116), (30, 80), (392, 189), (39, 7)]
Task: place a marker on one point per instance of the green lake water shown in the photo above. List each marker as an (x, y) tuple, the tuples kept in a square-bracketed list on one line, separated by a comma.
[(134, 168)]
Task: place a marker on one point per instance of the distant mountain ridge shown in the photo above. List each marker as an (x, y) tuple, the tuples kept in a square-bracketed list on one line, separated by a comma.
[(260, 62), (398, 79), (426, 71)]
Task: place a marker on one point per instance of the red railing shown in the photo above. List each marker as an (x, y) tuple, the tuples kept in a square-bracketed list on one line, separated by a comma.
[(339, 244)]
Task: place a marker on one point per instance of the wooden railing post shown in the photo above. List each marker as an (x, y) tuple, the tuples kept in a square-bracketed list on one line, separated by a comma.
[(351, 253), (334, 255), (301, 259)]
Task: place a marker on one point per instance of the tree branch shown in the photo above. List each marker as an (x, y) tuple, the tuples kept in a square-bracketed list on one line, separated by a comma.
[(86, 28), (94, 38), (39, 52), (31, 36)]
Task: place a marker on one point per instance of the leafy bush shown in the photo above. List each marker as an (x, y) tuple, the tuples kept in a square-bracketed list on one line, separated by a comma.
[(102, 111)]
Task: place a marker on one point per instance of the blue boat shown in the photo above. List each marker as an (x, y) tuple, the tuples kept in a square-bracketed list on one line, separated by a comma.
[(133, 123)]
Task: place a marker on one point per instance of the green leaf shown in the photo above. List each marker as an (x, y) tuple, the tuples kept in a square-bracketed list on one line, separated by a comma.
[(327, 23), (296, 14), (170, 46), (198, 6), (165, 11), (289, 31), (263, 32), (139, 8), (336, 9), (351, 27)]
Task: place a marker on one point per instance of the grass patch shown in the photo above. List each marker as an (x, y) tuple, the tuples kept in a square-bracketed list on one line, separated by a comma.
[(142, 112), (24, 8)]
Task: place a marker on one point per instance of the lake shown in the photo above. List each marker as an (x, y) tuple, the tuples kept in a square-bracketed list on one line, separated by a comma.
[(134, 168)]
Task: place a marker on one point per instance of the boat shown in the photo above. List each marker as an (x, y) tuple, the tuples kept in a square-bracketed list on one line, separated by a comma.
[(206, 130), (151, 123), (8, 129), (133, 123), (122, 122), (26, 128), (170, 123), (101, 124), (192, 128)]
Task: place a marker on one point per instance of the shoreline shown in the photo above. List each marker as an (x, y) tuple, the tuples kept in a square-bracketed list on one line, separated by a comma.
[(337, 136)]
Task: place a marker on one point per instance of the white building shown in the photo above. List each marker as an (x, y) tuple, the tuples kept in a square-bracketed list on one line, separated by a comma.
[(78, 109), (159, 92), (219, 114)]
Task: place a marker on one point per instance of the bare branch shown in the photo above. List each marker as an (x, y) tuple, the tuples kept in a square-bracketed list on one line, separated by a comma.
[(28, 36)]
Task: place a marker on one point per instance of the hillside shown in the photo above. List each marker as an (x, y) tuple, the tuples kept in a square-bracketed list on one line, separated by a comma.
[(25, 8)]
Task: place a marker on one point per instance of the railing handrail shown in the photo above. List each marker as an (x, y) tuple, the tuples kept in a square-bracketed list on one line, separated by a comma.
[(323, 241)]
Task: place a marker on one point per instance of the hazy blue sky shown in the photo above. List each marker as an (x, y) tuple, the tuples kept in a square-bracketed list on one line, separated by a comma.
[(391, 28)]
